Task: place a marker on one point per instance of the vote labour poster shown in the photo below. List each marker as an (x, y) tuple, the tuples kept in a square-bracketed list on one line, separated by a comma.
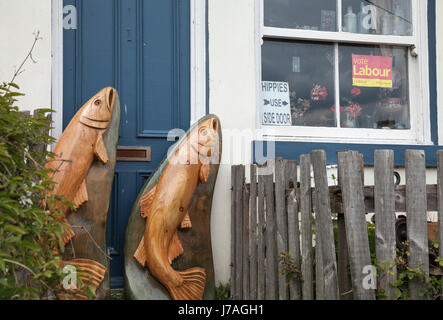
[(276, 103), (371, 71)]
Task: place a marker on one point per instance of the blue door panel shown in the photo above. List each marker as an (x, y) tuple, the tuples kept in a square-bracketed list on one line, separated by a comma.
[(142, 48)]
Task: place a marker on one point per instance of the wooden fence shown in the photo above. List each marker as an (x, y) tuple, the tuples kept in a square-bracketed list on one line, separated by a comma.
[(273, 214)]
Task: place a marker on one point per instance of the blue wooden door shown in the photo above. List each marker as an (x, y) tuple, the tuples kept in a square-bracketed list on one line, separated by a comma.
[(142, 48)]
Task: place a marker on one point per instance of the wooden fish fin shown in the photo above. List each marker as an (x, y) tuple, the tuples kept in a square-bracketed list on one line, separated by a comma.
[(186, 223), (146, 203), (204, 172), (100, 150), (69, 233), (81, 196), (193, 286), (140, 253), (90, 272), (175, 248)]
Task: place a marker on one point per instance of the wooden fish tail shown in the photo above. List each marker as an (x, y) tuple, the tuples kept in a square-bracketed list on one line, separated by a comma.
[(69, 234), (193, 286), (90, 272)]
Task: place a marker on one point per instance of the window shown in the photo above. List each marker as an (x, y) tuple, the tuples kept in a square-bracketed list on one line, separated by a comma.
[(368, 57)]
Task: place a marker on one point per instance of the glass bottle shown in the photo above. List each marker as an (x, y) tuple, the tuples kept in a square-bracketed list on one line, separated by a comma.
[(350, 21), (386, 23), (362, 28)]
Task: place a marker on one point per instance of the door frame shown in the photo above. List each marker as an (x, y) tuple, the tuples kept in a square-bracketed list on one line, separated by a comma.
[(198, 67)]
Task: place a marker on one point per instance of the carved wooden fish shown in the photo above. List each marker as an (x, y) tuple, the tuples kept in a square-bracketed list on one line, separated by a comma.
[(80, 143), (166, 209)]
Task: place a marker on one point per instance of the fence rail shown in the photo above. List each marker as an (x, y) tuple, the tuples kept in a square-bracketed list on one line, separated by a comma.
[(283, 241)]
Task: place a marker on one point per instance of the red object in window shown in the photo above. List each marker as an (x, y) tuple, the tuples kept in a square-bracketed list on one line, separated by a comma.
[(356, 91), (354, 109), (318, 93)]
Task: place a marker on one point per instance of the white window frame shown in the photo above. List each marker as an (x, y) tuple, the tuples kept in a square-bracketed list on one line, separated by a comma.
[(418, 67)]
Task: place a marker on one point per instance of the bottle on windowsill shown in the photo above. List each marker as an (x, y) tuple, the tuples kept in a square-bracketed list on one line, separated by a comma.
[(363, 26), (350, 21)]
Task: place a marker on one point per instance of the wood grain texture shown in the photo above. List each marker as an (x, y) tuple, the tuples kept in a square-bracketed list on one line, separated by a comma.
[(87, 249), (238, 196), (306, 227), (246, 253), (80, 144), (293, 222), (294, 244), (324, 231), (271, 241), (253, 234), (350, 175), (344, 277), (384, 203), (281, 224), (140, 283), (261, 259), (417, 228), (233, 234)]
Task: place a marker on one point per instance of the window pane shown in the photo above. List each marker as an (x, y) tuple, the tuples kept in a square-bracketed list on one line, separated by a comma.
[(301, 14), (374, 87), (308, 68), (388, 17)]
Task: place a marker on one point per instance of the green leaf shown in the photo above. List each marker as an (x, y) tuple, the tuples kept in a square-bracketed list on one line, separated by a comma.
[(13, 85), (398, 293), (2, 265), (15, 229)]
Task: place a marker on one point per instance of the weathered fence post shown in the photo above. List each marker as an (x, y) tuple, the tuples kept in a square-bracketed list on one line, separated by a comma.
[(261, 239), (293, 222), (239, 180), (271, 243), (384, 204), (282, 224), (350, 168), (233, 237), (344, 278), (253, 234), (246, 253), (306, 222), (416, 209), (324, 229)]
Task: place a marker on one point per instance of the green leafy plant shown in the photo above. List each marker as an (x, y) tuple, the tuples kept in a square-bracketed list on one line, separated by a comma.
[(223, 291), (30, 233), (289, 267), (432, 284)]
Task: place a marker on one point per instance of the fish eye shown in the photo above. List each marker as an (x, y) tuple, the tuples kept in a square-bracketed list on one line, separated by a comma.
[(97, 102), (204, 132)]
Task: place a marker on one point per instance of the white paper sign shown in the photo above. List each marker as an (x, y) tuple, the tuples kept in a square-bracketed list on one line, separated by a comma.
[(276, 104)]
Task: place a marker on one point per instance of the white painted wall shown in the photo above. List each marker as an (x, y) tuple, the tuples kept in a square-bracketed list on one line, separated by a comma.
[(232, 85), (439, 34), (19, 19)]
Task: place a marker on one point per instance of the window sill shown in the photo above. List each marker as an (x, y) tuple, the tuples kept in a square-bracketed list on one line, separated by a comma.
[(292, 150), (343, 135)]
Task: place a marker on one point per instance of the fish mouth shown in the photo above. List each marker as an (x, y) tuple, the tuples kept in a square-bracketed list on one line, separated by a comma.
[(206, 149), (110, 98)]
